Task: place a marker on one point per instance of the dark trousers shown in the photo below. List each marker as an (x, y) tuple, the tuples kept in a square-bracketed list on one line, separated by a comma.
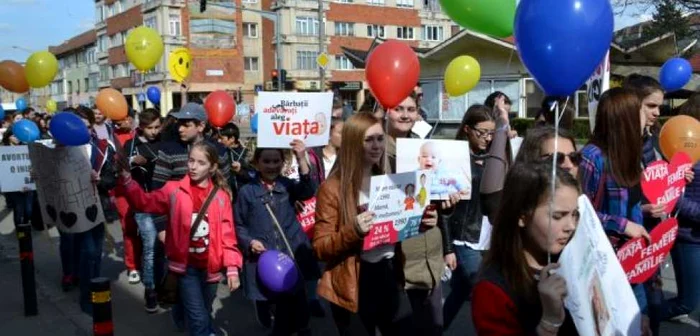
[(383, 303), (81, 256), (427, 311), (21, 204)]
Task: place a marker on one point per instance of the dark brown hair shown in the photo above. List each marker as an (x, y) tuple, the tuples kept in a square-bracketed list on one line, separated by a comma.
[(618, 133), (531, 148), (148, 116), (691, 107), (475, 114), (83, 112), (527, 185)]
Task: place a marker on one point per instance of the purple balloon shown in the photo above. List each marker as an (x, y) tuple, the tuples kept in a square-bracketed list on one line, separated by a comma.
[(277, 271)]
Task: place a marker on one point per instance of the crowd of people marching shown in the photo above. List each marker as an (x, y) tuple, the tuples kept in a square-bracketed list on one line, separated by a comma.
[(198, 206)]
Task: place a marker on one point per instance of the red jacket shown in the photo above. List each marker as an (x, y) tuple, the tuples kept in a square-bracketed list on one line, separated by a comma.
[(175, 200)]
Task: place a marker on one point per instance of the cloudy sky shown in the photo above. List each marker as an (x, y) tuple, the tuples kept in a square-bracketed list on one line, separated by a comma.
[(31, 25)]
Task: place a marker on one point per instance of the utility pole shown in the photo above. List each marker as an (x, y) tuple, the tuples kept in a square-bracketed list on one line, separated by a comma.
[(321, 44)]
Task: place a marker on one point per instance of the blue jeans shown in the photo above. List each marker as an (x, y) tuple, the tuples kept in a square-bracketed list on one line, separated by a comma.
[(148, 233), (463, 278), (81, 256), (21, 204), (196, 299), (686, 264)]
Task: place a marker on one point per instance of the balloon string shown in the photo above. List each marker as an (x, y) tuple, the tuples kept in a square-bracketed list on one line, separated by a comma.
[(143, 91), (555, 107)]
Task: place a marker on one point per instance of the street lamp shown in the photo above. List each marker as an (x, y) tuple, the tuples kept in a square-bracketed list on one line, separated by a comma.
[(274, 17)]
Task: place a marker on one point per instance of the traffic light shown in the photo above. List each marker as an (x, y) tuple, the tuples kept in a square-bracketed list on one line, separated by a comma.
[(274, 79), (279, 74)]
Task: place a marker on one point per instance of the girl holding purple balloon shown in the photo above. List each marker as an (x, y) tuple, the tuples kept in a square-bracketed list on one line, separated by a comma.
[(266, 224)]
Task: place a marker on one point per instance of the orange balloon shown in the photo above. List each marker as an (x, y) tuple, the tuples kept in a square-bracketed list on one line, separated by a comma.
[(112, 104), (680, 134), (12, 77)]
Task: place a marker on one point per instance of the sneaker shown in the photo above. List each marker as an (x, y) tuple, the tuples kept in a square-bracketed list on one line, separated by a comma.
[(316, 309), (151, 299), (134, 277), (262, 313)]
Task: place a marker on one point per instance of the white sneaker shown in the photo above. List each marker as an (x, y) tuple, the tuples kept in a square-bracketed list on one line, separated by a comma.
[(134, 277)]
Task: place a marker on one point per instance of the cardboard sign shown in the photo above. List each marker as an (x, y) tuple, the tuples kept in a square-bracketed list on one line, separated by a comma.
[(398, 206), (447, 160), (307, 216), (67, 196), (598, 298), (640, 260), (597, 84), (664, 182), (14, 169), (286, 116)]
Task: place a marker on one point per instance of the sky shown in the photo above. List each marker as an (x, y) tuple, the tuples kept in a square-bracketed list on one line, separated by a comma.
[(33, 25)]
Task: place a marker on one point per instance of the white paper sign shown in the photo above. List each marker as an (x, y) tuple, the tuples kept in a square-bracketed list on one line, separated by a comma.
[(596, 85), (447, 160), (600, 300), (286, 116), (515, 144), (67, 196), (14, 169), (421, 128), (398, 202)]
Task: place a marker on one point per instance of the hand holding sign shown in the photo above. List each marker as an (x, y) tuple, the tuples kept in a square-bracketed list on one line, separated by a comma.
[(640, 259), (664, 182)]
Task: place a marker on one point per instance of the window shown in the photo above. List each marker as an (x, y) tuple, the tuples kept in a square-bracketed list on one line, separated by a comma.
[(116, 40), (124, 34), (306, 60), (250, 63), (343, 63), (250, 30), (118, 7), (94, 78), (432, 33), (110, 10), (103, 43), (100, 13), (91, 58), (70, 87), (345, 1), (77, 86), (104, 72), (376, 2), (87, 84), (150, 22), (344, 29), (452, 108), (404, 33), (432, 5), (250, 1), (375, 31), (307, 25), (175, 26), (404, 3)]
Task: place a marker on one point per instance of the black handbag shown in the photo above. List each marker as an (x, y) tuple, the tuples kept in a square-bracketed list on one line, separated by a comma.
[(169, 290)]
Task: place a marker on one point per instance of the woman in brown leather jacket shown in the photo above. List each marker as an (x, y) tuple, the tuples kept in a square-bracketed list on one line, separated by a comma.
[(376, 293)]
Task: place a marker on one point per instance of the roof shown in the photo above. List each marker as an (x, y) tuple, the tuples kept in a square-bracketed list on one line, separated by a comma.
[(74, 43)]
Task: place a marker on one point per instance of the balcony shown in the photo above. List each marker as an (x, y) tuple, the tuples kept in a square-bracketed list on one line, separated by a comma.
[(103, 84), (300, 4), (150, 5), (305, 39), (178, 40), (102, 54), (93, 68)]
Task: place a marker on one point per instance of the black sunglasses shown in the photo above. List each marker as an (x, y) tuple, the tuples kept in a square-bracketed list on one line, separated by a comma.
[(575, 158)]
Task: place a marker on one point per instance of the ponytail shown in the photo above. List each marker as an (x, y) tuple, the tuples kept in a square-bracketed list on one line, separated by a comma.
[(220, 181)]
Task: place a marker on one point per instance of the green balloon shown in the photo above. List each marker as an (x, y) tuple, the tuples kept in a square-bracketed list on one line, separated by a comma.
[(490, 17)]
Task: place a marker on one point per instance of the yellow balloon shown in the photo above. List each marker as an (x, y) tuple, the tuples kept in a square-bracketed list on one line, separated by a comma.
[(51, 106), (41, 68), (179, 64), (462, 75), (144, 48)]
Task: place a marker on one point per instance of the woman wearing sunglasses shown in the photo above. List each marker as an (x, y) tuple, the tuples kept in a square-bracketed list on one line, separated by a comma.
[(538, 145)]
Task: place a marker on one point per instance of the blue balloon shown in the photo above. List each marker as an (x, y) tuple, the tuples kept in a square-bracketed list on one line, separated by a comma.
[(20, 104), (26, 131), (153, 94), (254, 123), (69, 130), (561, 42), (675, 74)]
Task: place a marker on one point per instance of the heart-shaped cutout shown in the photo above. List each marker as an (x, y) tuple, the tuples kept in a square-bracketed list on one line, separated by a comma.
[(664, 182), (68, 219), (52, 212), (640, 260), (91, 212)]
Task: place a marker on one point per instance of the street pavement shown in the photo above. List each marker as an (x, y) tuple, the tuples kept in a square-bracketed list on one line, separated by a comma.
[(59, 314)]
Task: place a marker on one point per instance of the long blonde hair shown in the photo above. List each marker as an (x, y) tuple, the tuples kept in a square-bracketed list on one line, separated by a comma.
[(213, 157), (349, 166)]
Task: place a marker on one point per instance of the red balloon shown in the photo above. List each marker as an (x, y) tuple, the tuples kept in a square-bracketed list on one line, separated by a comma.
[(220, 108), (392, 72)]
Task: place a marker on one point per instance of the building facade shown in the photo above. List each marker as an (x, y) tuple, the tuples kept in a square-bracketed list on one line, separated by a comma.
[(77, 80)]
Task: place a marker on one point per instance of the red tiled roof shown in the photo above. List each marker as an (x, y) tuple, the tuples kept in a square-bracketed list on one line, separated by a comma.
[(74, 43)]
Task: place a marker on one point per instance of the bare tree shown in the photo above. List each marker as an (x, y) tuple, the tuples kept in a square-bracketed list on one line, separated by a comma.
[(623, 5)]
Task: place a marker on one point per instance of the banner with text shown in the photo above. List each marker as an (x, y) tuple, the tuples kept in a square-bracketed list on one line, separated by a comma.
[(14, 169), (398, 202), (599, 298), (596, 85), (287, 116)]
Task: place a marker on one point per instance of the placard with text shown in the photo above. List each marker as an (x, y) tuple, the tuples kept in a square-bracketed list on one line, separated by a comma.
[(14, 169), (287, 116)]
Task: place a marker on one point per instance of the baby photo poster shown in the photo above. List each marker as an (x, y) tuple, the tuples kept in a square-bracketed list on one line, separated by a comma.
[(448, 161)]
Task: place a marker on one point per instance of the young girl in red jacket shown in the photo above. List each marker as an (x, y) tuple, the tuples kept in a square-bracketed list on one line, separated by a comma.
[(517, 293), (213, 248)]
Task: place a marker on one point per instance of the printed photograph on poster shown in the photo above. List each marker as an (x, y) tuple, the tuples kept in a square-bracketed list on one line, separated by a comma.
[(447, 160), (67, 196), (286, 116), (398, 202), (14, 169), (595, 300)]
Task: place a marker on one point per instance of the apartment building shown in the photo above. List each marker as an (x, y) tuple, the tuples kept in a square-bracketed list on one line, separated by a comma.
[(77, 80), (213, 37), (352, 24)]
